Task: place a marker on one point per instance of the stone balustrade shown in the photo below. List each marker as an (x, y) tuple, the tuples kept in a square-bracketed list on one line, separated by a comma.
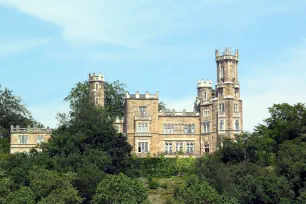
[(221, 114), (30, 129), (143, 134), (144, 117)]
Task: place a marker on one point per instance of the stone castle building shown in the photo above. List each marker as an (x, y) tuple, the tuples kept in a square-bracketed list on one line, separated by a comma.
[(182, 133), (169, 133)]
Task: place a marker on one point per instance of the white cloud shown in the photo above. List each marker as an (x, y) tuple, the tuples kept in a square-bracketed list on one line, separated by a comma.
[(132, 23), (46, 113), (10, 47)]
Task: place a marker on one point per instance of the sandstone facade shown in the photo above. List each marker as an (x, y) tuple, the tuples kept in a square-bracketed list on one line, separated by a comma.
[(170, 133), (182, 133)]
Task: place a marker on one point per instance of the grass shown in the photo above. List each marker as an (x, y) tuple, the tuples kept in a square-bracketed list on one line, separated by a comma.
[(164, 193)]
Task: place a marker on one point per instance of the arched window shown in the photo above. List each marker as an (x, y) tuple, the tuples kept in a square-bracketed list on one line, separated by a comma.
[(191, 149), (187, 148), (97, 101), (97, 86), (168, 148)]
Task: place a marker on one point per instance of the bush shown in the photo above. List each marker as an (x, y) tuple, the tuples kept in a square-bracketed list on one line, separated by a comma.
[(117, 189), (164, 185), (153, 185)]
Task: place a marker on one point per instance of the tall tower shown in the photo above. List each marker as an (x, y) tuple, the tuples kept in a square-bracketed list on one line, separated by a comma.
[(227, 103), (96, 90)]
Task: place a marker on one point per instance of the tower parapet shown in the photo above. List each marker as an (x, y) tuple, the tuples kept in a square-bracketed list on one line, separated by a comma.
[(227, 55), (141, 96), (93, 77), (204, 84)]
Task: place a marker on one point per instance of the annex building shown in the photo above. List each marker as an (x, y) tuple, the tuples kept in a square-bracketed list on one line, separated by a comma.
[(170, 133)]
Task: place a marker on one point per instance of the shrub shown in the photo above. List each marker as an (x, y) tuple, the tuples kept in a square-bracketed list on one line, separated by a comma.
[(153, 185), (164, 185)]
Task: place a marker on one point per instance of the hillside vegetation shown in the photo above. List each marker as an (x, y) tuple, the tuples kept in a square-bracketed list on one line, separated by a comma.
[(88, 161)]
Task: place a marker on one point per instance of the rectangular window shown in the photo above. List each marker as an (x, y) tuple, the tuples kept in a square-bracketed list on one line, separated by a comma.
[(179, 147), (142, 127), (190, 129), (189, 148), (206, 127), (143, 147), (39, 139), (221, 107), (143, 110), (236, 107), (205, 113), (23, 139), (221, 125), (237, 125)]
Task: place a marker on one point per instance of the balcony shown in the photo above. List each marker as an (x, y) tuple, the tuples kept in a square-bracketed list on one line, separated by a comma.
[(143, 117), (237, 114), (221, 114), (143, 134)]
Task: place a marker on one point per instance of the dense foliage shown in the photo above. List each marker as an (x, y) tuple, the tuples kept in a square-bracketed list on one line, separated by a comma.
[(267, 166), (88, 161), (117, 189), (13, 112)]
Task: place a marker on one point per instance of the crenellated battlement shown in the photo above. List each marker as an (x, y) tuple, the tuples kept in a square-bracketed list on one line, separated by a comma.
[(227, 55), (141, 96), (99, 77), (204, 84)]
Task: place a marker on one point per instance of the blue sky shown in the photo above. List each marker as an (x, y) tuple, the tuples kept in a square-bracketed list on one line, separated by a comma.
[(47, 46)]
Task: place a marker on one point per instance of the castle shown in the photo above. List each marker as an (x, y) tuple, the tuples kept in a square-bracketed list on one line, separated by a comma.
[(182, 133), (170, 133)]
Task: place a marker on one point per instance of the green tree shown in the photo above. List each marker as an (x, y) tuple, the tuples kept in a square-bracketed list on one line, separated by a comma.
[(114, 98), (13, 112), (24, 195), (197, 191), (52, 187), (90, 127), (115, 189)]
